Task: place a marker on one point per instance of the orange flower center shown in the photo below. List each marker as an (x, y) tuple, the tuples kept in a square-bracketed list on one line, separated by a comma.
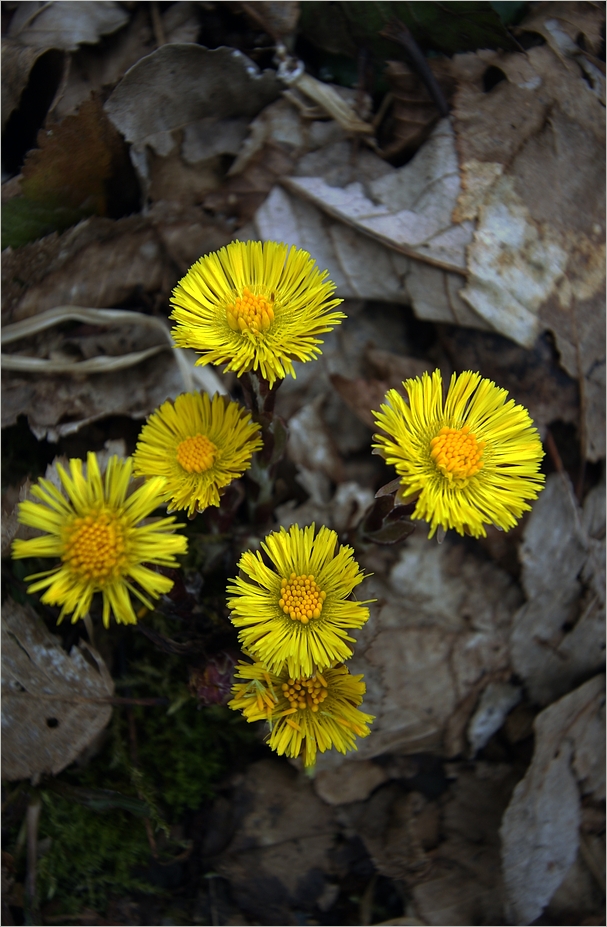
[(196, 454), (306, 693), (457, 453), (301, 597), (250, 313), (95, 547)]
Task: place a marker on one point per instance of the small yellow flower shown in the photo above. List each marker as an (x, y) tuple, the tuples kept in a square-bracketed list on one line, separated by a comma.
[(295, 615), (95, 528), (254, 306), (200, 445), (471, 460), (304, 714)]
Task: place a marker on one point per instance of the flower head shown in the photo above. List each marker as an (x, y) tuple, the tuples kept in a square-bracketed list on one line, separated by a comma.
[(471, 460), (254, 306), (294, 614), (95, 528), (200, 445), (304, 714)]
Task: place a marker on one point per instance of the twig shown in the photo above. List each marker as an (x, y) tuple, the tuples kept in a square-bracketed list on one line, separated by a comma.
[(396, 31), (135, 761), (33, 16), (33, 819), (157, 24), (554, 453)]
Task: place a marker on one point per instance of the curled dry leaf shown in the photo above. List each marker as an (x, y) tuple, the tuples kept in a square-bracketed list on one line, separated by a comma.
[(53, 704), (540, 830), (65, 25), (414, 112), (558, 636), (17, 62)]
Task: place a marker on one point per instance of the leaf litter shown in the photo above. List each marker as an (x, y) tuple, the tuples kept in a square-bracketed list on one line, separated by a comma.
[(469, 242)]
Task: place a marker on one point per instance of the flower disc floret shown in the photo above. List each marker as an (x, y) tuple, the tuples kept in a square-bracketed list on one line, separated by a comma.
[(99, 529), (305, 714), (470, 459), (255, 306), (295, 613), (200, 445)]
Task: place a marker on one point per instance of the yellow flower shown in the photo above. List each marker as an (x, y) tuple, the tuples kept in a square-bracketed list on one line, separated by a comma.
[(304, 714), (471, 460), (254, 306), (95, 528), (200, 445), (295, 616)]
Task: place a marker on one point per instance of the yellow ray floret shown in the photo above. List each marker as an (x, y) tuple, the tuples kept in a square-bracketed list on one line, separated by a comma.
[(255, 306), (200, 445), (471, 459), (294, 614), (305, 714), (96, 528)]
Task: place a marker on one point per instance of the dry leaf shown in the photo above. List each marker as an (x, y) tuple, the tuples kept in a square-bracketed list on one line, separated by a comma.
[(437, 636), (65, 25), (531, 376), (414, 112), (540, 830), (99, 263), (363, 778), (17, 62), (310, 444), (52, 703), (74, 161), (280, 853), (384, 248), (532, 152), (465, 884), (180, 84), (558, 636)]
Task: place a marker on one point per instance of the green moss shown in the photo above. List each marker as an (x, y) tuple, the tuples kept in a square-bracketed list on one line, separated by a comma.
[(91, 855)]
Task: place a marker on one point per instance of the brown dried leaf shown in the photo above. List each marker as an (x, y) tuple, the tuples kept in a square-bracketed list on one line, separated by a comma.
[(74, 161), (414, 111), (278, 17), (52, 703), (540, 830), (531, 376), (100, 264)]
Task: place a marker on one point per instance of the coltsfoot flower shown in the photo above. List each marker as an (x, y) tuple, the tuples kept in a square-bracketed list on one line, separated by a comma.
[(470, 460), (96, 529), (304, 714), (255, 306), (295, 614), (200, 445)]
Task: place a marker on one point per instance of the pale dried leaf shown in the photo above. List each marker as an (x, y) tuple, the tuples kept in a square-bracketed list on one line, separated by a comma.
[(532, 152), (540, 830), (310, 444), (363, 778), (65, 25), (52, 703)]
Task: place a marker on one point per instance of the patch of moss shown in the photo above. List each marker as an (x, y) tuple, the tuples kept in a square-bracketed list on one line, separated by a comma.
[(91, 855)]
